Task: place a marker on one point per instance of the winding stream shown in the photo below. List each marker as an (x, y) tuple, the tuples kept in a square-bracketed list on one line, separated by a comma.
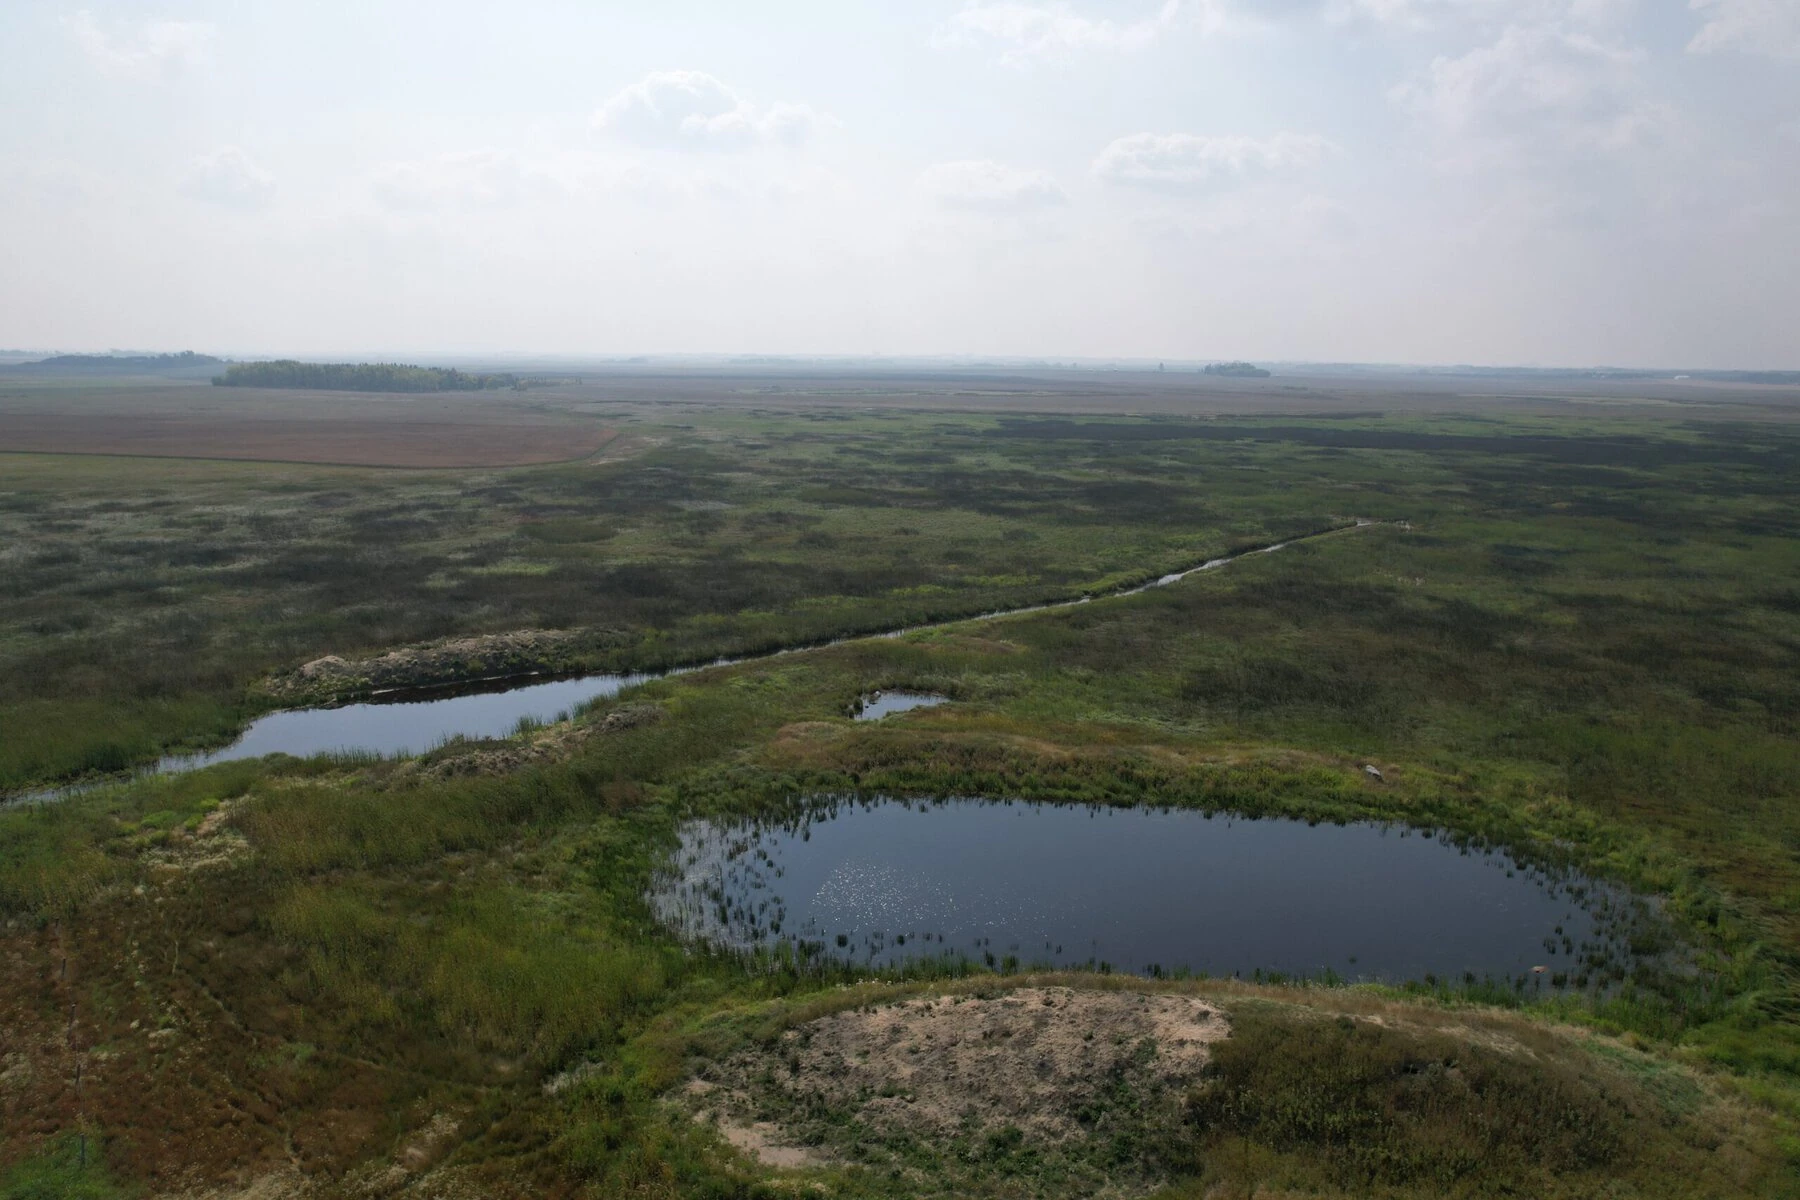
[(408, 724)]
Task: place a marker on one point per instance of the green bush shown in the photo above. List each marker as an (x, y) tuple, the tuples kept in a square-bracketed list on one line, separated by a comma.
[(68, 1168)]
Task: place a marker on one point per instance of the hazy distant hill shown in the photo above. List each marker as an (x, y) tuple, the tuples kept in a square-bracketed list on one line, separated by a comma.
[(132, 363), (358, 377)]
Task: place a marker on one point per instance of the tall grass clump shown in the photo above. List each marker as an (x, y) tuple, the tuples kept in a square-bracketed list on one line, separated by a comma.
[(70, 1166), (492, 969), (1357, 1107)]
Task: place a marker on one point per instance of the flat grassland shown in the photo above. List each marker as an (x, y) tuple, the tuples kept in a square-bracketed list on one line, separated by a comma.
[(439, 976), (263, 425)]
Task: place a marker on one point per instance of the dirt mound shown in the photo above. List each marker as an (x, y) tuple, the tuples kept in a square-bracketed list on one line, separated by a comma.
[(496, 757), (1042, 1074), (456, 660)]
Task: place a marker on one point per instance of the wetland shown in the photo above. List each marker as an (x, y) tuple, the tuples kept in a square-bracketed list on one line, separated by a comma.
[(351, 954), (402, 721)]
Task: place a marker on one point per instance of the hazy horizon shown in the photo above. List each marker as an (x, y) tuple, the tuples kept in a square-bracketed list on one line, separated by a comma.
[(1561, 183), (751, 359)]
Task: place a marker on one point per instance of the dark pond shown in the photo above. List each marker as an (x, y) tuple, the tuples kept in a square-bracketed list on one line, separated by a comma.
[(880, 704), (1139, 890)]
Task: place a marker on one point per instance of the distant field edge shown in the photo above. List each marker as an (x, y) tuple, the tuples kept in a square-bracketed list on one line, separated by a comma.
[(440, 446)]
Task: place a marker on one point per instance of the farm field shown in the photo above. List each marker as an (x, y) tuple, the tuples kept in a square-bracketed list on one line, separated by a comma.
[(1575, 636)]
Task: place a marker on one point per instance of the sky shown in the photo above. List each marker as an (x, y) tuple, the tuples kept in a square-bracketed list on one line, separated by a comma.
[(1569, 182)]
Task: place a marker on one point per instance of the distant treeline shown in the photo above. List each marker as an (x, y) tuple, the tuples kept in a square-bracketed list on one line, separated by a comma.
[(359, 377), (1240, 370), (187, 358)]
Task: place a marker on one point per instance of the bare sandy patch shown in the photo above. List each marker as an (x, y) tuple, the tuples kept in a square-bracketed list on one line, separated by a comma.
[(1036, 1065), (276, 1185), (761, 1142), (213, 843)]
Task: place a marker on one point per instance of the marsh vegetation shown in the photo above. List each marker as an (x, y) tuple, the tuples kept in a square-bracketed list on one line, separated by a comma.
[(444, 970)]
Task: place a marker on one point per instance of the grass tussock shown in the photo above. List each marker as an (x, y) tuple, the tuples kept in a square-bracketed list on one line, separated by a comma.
[(70, 1166), (490, 969), (1357, 1108)]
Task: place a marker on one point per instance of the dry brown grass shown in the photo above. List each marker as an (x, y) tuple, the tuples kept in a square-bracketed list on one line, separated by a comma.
[(191, 1061)]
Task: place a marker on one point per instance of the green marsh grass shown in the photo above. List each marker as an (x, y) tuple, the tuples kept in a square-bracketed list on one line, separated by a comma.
[(1585, 648), (69, 1167)]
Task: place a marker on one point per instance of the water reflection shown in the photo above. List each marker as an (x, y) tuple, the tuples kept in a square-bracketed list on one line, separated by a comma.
[(877, 705), (1142, 890)]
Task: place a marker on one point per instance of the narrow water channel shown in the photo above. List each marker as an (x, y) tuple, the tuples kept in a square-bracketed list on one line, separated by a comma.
[(408, 724)]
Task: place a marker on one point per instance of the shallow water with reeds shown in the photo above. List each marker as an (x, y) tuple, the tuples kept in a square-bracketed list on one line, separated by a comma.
[(883, 704)]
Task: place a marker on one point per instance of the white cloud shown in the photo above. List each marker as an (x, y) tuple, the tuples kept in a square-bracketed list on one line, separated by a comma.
[(979, 185), (1769, 27), (467, 185), (1186, 160), (145, 50), (60, 184), (229, 177), (1308, 226), (693, 109), (1027, 31), (1535, 92), (1403, 16), (470, 179), (1419, 14)]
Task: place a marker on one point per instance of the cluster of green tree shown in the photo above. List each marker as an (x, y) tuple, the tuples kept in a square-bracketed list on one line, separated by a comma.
[(1241, 370), (187, 358), (359, 377)]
